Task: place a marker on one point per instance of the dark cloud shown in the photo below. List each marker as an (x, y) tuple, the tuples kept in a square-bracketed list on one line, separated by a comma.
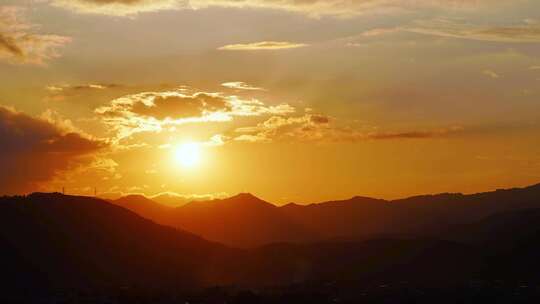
[(319, 119), (176, 107), (34, 150), (320, 128), (9, 45)]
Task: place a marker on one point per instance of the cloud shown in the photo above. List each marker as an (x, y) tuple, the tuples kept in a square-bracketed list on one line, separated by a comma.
[(180, 106), (491, 74), (304, 128), (102, 91), (239, 85), (520, 33), (82, 87), (313, 8), (321, 128), (510, 34), (174, 199), (36, 150), (20, 44), (263, 46), (119, 7), (342, 8), (155, 111), (411, 134), (216, 140)]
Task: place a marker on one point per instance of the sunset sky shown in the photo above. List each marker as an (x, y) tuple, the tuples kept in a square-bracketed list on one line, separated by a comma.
[(294, 101)]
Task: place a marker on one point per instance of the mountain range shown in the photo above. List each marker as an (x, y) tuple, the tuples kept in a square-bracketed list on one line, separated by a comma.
[(246, 221), (54, 242)]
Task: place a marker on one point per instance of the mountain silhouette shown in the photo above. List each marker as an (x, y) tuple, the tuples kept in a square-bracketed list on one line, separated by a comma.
[(428, 215), (239, 221), (171, 199), (54, 242), (242, 220), (353, 217), (510, 240), (506, 227), (146, 207), (58, 241), (247, 221)]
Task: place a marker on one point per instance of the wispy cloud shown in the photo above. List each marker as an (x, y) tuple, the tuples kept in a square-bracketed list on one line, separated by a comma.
[(491, 74), (312, 8), (21, 44), (81, 87), (321, 128), (263, 46), (63, 92), (519, 33), (343, 8), (119, 7), (239, 85)]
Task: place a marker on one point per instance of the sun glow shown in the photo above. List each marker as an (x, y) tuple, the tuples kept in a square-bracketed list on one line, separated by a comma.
[(188, 154)]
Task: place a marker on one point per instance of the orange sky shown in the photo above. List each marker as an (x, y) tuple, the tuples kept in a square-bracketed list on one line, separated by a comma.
[(298, 101)]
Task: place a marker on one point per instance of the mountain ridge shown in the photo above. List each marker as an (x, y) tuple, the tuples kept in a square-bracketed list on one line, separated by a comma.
[(356, 197), (245, 220), (82, 241), (56, 242)]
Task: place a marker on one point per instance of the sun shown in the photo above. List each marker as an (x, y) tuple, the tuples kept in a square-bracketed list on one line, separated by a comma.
[(188, 154)]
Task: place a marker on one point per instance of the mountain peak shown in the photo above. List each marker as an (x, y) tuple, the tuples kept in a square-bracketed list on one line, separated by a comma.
[(241, 199), (291, 205), (245, 199), (359, 198), (245, 196)]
